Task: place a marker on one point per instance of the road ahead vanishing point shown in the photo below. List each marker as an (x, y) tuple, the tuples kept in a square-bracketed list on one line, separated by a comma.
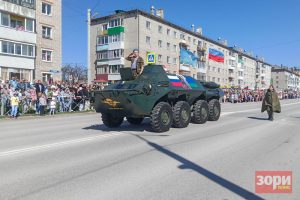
[(76, 157)]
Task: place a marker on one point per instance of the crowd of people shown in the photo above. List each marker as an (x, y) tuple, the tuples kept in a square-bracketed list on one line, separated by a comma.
[(20, 97), (239, 95)]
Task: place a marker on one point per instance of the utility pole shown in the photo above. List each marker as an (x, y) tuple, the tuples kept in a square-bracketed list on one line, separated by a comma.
[(89, 71)]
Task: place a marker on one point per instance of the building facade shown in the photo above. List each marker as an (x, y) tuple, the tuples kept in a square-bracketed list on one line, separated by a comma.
[(285, 79), (179, 50), (22, 39), (17, 39), (49, 34)]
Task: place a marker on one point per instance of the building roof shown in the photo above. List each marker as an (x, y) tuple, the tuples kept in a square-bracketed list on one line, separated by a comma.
[(274, 69), (163, 21)]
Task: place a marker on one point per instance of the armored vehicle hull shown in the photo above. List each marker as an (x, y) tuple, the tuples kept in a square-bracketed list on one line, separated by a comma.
[(168, 99)]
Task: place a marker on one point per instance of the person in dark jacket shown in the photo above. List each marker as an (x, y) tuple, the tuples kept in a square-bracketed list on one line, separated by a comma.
[(271, 103), (40, 88), (137, 63)]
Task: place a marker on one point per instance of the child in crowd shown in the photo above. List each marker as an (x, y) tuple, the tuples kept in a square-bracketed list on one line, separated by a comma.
[(14, 102), (52, 106), (43, 104)]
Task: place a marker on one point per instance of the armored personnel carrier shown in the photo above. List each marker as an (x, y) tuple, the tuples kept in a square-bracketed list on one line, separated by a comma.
[(167, 99)]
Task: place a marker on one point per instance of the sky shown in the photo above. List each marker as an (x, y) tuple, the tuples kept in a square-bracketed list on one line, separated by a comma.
[(268, 28)]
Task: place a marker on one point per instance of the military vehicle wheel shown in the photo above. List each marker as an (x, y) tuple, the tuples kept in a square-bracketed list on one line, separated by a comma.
[(200, 112), (112, 121), (214, 110), (135, 121), (161, 117), (181, 114)]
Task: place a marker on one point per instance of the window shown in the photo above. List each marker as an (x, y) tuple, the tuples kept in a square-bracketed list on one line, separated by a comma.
[(114, 69), (160, 29), (175, 48), (219, 80), (213, 79), (46, 8), (159, 58), (168, 46), (46, 32), (148, 40), (148, 25), (24, 50), (4, 19), (114, 38), (168, 31), (11, 48), (182, 36), (16, 23), (47, 55), (194, 41), (189, 39), (168, 60), (18, 49), (102, 40), (174, 61), (104, 27), (30, 50), (102, 55), (29, 25), (4, 47), (175, 34), (219, 70), (159, 43), (115, 23)]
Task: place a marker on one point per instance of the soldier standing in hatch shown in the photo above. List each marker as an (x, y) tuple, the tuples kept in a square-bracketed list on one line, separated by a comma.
[(137, 63), (271, 103)]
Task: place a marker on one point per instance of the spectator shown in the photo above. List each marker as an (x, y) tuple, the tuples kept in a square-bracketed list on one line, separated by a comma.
[(14, 102), (43, 104), (53, 106)]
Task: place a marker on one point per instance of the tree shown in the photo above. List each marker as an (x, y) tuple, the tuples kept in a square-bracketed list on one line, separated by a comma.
[(74, 73)]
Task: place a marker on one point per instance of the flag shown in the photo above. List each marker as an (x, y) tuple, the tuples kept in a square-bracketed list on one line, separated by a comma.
[(216, 55), (175, 81)]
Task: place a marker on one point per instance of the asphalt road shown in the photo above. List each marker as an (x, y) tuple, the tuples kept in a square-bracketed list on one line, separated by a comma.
[(76, 157)]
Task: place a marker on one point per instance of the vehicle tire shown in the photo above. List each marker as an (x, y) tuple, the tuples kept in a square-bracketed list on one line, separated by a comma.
[(200, 112), (135, 121), (214, 110), (181, 114), (161, 117), (112, 121)]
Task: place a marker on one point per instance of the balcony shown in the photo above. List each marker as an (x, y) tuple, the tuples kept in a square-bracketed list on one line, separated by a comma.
[(203, 59), (240, 77), (263, 75), (201, 48), (232, 58), (28, 4), (104, 32), (231, 75), (184, 68), (231, 67), (16, 34), (17, 9)]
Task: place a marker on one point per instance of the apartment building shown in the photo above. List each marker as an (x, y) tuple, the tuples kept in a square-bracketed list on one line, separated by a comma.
[(30, 39), (17, 39), (285, 79), (49, 34), (179, 50)]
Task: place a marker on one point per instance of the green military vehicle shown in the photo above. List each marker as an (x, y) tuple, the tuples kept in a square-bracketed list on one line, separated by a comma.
[(167, 99)]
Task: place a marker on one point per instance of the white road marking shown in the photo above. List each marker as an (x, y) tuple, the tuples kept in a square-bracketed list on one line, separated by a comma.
[(254, 109), (57, 144)]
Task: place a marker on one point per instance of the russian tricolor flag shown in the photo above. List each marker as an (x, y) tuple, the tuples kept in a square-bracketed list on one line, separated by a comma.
[(216, 55), (175, 81)]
